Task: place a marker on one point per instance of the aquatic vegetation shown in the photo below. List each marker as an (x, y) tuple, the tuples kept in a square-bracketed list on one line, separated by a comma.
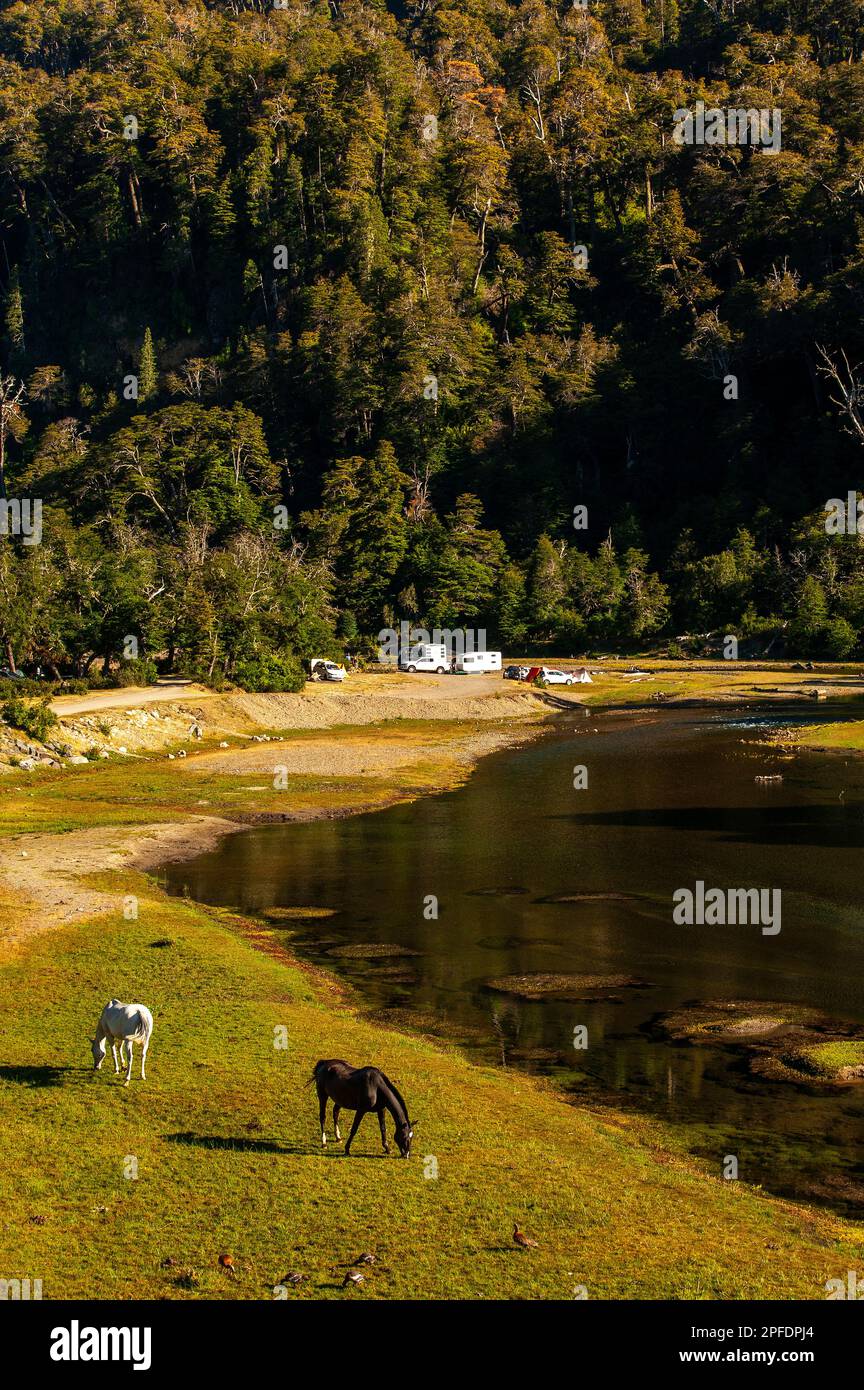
[(371, 950), (731, 1020), (561, 986), (783, 1042)]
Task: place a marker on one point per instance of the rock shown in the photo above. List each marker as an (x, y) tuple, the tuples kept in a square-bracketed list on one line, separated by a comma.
[(539, 985), (733, 1021), (77, 760), (370, 951)]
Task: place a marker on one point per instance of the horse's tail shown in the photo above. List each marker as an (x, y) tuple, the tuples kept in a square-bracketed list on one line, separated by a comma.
[(314, 1077), (397, 1094)]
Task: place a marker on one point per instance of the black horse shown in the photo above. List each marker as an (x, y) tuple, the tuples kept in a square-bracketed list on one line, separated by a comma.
[(361, 1089)]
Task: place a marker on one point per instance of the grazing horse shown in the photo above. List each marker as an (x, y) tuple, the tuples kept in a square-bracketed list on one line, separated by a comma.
[(361, 1089), (126, 1023)]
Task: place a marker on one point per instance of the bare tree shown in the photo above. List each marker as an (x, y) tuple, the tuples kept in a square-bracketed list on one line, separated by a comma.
[(849, 385), (12, 419)]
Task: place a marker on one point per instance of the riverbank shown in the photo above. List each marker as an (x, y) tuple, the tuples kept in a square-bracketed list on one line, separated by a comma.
[(154, 792), (138, 1191)]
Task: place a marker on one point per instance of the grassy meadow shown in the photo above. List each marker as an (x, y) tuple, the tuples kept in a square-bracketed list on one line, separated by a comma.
[(225, 1137), (135, 1193)]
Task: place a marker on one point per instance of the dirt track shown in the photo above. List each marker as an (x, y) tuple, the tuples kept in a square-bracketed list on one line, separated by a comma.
[(132, 696)]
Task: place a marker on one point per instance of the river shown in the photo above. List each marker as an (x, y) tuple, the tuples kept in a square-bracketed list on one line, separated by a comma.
[(671, 798)]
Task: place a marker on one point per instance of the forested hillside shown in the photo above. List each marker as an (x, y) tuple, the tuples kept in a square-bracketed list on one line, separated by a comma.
[(321, 316)]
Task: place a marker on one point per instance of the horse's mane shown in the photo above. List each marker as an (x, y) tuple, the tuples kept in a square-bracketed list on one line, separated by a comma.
[(398, 1096)]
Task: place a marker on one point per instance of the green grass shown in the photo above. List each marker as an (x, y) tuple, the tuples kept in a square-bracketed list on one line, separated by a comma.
[(139, 791), (226, 1140), (827, 1059), (716, 681), (846, 736), (114, 794)]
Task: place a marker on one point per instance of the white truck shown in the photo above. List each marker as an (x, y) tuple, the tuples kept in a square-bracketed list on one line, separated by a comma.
[(426, 656), (474, 663)]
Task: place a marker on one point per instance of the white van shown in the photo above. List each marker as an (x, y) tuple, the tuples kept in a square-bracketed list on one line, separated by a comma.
[(427, 656), (473, 663)]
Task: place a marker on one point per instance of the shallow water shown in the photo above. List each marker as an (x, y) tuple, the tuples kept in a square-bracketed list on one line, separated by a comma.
[(671, 798)]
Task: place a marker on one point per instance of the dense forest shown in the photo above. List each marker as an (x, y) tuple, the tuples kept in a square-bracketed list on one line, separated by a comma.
[(321, 316)]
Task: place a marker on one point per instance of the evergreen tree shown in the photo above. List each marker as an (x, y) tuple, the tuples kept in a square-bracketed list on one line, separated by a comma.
[(148, 372)]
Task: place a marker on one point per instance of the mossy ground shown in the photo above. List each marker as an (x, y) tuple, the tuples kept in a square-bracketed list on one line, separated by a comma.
[(830, 1059)]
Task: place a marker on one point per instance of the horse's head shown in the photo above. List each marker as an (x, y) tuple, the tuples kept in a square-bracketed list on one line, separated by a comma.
[(97, 1047), (404, 1135)]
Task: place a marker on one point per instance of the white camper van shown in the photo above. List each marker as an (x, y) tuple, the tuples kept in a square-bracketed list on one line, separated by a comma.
[(474, 663), (426, 656)]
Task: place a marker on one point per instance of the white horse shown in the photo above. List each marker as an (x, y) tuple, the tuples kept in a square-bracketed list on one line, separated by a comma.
[(128, 1024)]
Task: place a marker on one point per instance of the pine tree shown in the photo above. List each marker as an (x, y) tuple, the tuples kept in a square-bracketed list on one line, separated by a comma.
[(148, 372)]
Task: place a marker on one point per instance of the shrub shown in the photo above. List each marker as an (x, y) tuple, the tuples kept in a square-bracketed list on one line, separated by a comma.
[(34, 720), (13, 686), (270, 672), (838, 639), (137, 672)]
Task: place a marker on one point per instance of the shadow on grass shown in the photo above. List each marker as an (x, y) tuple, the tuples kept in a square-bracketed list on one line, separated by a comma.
[(39, 1076), (240, 1144)]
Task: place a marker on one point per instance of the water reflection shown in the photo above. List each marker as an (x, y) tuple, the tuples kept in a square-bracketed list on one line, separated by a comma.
[(671, 798)]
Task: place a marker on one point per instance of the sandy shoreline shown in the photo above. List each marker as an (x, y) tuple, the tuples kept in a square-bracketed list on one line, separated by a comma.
[(45, 875)]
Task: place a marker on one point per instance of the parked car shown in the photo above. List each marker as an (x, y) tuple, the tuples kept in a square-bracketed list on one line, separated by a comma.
[(322, 670), (551, 676), (515, 673), (7, 674)]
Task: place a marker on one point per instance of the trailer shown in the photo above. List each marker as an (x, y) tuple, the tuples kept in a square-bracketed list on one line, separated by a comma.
[(476, 663)]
